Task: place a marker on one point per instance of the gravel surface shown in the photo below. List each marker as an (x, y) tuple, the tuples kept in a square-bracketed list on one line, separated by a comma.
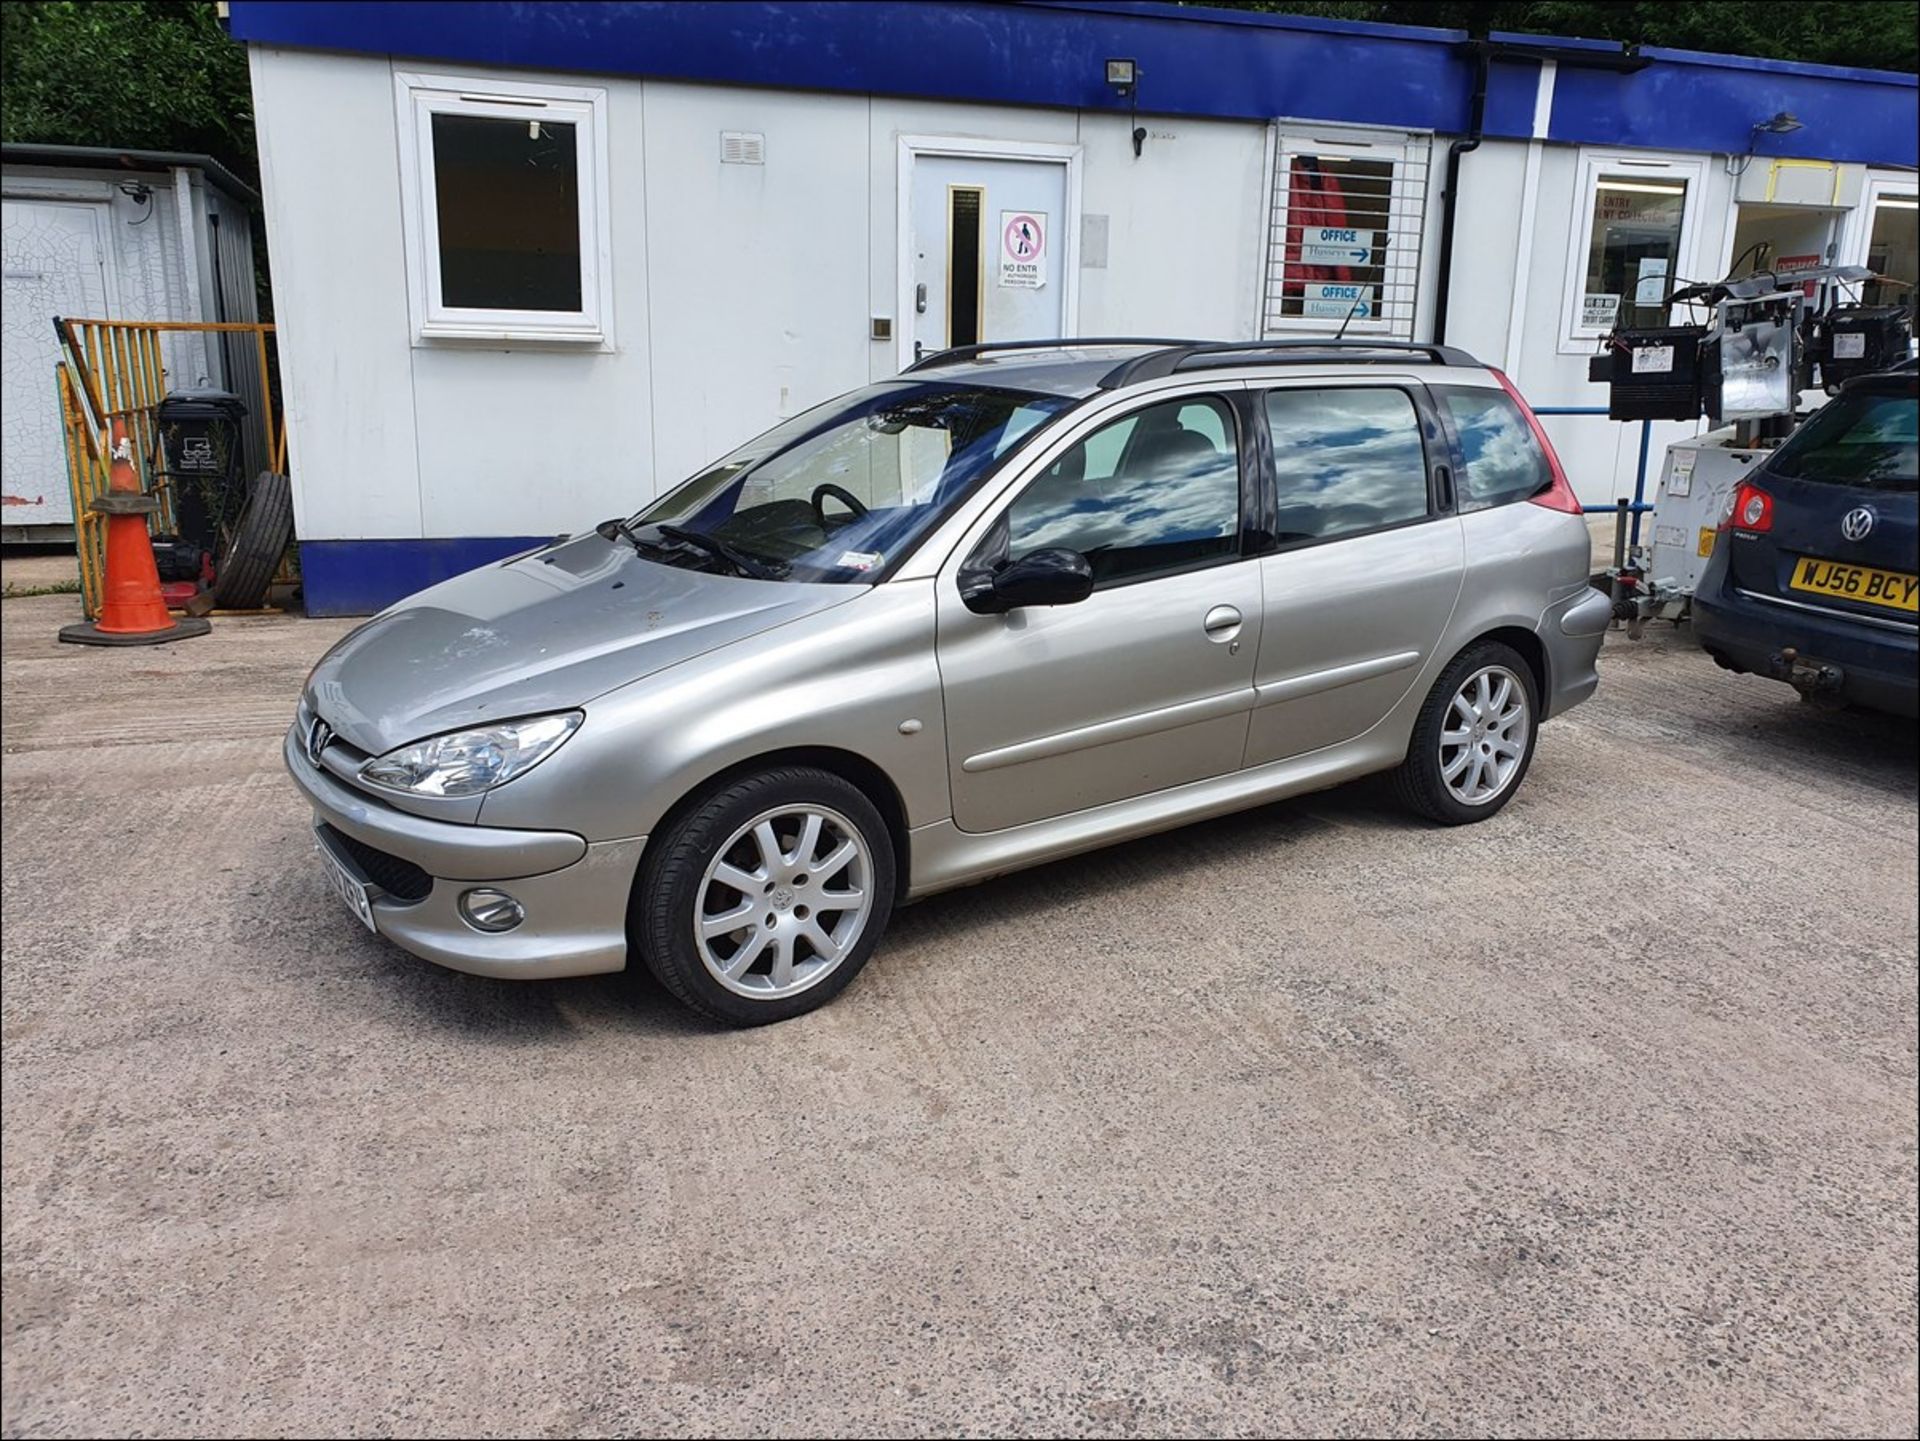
[(1599, 1117)]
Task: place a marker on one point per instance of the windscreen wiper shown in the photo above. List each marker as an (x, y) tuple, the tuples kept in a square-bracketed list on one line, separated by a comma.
[(608, 529), (740, 560)]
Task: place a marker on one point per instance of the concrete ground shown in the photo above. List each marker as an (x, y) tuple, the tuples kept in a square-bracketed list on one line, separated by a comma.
[(30, 572), (1597, 1118)]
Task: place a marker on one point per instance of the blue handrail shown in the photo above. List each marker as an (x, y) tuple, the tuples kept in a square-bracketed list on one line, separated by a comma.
[(1640, 502)]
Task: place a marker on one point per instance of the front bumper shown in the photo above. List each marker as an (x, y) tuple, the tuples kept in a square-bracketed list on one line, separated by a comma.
[(575, 892)]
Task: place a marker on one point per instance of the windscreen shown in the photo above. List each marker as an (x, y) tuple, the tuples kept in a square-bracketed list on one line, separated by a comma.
[(837, 493), (1862, 438)]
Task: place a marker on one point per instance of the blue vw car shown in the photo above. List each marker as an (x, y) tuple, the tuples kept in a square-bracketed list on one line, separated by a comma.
[(1815, 575)]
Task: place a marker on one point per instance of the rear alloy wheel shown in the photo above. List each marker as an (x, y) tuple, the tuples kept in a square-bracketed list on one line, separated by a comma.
[(1474, 737), (766, 899)]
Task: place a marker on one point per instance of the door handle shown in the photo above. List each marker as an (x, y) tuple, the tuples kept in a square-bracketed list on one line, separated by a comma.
[(920, 299), (1222, 623)]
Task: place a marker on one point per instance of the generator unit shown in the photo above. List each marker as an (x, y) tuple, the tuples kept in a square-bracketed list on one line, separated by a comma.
[(1771, 338), (1852, 340)]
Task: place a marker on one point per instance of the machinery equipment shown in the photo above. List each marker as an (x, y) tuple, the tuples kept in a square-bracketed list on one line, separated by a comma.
[(1770, 339)]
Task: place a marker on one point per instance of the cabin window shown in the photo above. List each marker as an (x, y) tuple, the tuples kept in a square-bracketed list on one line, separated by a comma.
[(506, 209)]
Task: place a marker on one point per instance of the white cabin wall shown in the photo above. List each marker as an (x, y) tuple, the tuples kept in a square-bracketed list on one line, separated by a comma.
[(759, 277), (1185, 228), (743, 294), (330, 182)]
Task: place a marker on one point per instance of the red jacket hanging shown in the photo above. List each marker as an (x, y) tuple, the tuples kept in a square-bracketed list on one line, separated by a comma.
[(1314, 200)]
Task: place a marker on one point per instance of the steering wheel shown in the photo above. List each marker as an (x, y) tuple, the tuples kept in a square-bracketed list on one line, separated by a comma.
[(839, 493)]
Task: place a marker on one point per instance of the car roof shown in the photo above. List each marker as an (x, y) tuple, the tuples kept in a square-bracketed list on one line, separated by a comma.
[(1084, 367)]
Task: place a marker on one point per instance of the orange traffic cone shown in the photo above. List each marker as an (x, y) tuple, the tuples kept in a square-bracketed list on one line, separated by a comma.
[(132, 611)]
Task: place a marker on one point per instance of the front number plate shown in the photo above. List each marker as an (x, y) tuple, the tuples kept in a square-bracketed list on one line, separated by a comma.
[(348, 888), (1857, 582)]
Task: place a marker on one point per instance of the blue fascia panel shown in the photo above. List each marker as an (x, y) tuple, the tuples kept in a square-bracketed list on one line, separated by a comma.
[(1850, 73), (1511, 87), (1554, 42), (1192, 62), (360, 577), (1714, 107), (1265, 19)]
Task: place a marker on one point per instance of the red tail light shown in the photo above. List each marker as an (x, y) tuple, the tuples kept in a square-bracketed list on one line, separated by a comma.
[(1752, 510), (1559, 492)]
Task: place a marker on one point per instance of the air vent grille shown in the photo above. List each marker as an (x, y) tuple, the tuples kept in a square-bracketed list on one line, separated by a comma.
[(742, 147)]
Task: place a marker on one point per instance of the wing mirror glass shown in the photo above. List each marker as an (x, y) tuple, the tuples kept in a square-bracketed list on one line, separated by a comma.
[(1041, 577)]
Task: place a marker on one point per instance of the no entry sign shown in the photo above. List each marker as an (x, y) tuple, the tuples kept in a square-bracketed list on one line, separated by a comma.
[(1023, 248)]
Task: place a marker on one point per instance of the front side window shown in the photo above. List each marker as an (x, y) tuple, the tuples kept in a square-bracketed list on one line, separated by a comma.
[(1345, 461), (1151, 493), (838, 493), (505, 209), (1632, 250), (1500, 460)]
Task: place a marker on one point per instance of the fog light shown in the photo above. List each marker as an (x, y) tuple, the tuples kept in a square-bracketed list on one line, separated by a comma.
[(489, 910)]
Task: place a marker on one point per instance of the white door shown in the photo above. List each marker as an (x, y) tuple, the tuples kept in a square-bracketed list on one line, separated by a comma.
[(987, 252), (54, 264)]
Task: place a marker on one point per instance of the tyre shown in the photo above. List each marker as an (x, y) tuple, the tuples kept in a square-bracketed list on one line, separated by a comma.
[(259, 540), (765, 899), (1474, 738)]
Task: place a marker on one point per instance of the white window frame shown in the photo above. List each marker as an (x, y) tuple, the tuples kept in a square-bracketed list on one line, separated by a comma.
[(419, 97), (1578, 339), (1856, 238), (1411, 154)]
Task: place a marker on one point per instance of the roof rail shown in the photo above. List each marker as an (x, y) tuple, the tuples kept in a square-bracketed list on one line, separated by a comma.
[(960, 354), (1165, 362)]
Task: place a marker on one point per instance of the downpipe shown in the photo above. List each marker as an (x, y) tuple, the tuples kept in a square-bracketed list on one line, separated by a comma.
[(1624, 61)]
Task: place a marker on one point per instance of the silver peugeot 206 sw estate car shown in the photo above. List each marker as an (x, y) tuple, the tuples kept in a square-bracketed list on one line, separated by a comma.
[(1018, 602)]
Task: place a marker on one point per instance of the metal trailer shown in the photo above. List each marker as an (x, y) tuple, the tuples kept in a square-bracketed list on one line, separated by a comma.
[(1696, 488)]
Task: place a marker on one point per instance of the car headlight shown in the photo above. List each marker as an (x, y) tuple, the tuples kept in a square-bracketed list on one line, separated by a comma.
[(467, 763)]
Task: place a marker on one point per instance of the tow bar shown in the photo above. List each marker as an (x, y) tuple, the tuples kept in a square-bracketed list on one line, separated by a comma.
[(1815, 680)]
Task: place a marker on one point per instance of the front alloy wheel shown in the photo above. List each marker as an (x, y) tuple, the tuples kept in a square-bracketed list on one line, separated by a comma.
[(785, 901), (764, 898)]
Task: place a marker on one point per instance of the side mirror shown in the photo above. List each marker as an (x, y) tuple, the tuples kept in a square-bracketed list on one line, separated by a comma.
[(1043, 577)]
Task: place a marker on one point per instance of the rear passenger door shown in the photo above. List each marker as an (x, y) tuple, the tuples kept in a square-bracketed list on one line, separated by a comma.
[(1366, 564)]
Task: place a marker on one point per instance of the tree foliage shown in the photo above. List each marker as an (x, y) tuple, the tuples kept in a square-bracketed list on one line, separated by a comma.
[(143, 74), (1875, 34)]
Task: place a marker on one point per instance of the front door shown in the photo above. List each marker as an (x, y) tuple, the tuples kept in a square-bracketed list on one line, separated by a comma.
[(1147, 683), (986, 252), (55, 264)]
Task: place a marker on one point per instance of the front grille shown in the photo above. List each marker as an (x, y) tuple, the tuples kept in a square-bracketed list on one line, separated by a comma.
[(399, 878)]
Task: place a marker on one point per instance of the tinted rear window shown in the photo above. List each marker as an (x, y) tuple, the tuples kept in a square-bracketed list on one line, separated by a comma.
[(1345, 461), (1859, 438), (1500, 461)]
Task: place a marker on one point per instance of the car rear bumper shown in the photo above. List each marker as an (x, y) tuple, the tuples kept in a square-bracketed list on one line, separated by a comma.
[(1572, 632), (574, 893), (1812, 648)]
